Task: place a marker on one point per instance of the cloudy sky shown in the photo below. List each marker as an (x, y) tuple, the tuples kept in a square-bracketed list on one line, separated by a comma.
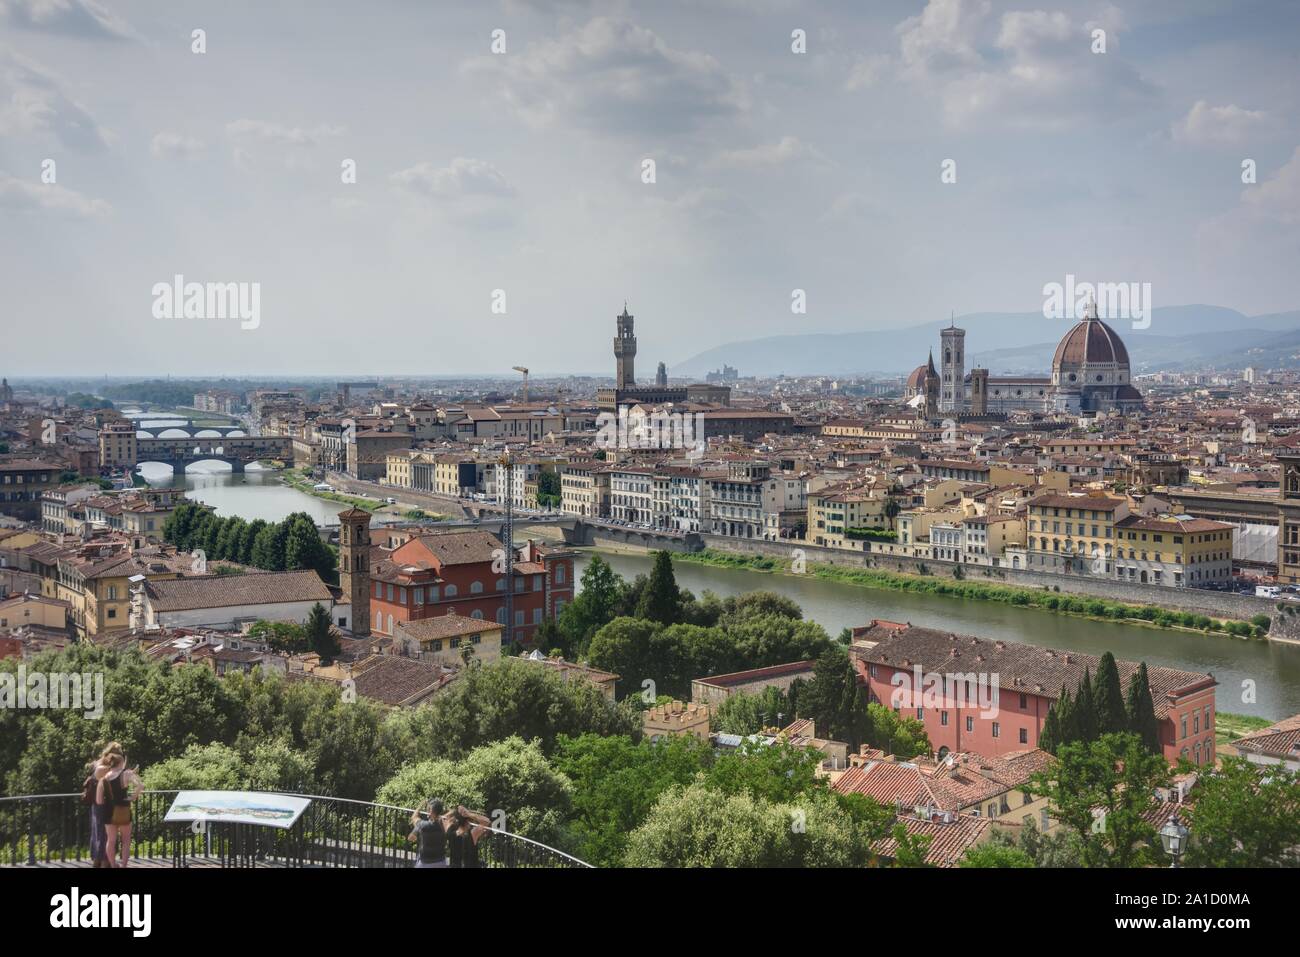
[(523, 171)]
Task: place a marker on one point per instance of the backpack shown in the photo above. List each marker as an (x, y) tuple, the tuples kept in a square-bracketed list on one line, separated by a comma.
[(88, 788)]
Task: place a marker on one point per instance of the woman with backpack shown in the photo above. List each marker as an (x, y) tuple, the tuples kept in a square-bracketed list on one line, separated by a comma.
[(118, 787)]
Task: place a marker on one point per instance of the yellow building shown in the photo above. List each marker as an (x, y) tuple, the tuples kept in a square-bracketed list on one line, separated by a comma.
[(1074, 532), (676, 718), (1186, 552), (584, 489), (835, 509), (445, 638)]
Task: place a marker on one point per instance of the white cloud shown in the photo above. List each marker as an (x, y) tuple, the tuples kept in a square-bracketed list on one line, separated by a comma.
[(1027, 68), (614, 76), (176, 146), (37, 104), (20, 195), (282, 135), (788, 150), (463, 177), (866, 72), (1225, 125), (80, 18), (1277, 198)]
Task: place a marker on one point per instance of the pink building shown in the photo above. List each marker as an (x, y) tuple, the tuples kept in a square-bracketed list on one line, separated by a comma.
[(991, 697)]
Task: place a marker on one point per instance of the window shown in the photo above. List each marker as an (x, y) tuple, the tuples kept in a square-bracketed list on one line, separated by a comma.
[(997, 729), (970, 723), (1024, 702), (1024, 735), (920, 714), (475, 587), (943, 718), (476, 613), (559, 574), (449, 591)]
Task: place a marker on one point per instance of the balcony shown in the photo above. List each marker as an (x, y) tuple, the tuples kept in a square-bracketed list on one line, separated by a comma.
[(52, 830)]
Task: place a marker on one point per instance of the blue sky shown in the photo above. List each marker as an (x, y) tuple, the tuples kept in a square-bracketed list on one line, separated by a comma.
[(522, 171)]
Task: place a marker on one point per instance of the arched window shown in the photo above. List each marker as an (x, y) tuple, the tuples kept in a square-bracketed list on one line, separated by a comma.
[(390, 624), (449, 591), (501, 584), (476, 613), (475, 587), (501, 616), (379, 621)]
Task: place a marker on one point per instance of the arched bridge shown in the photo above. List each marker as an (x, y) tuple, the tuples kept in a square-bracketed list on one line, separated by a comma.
[(236, 451), (190, 429)]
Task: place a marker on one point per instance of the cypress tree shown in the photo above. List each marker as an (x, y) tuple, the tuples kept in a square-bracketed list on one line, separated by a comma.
[(1067, 721), (1086, 708), (1049, 739), (661, 601), (1141, 711), (1109, 697)]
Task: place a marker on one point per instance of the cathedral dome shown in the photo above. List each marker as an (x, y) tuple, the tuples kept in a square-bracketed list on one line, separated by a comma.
[(1089, 342), (916, 381)]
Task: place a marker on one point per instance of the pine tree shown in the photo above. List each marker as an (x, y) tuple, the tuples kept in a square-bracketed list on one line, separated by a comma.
[(1109, 697), (247, 538), (1085, 708), (661, 601), (1140, 710)]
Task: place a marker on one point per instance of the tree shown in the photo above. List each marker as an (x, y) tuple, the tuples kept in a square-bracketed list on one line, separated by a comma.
[(1049, 739), (895, 734), (661, 600), (626, 647), (593, 608), (1108, 698), (320, 634), (990, 854), (1140, 712), (890, 510), (835, 701), (1245, 815), (1085, 709), (616, 782), (1103, 791), (514, 697), (510, 780), (698, 826), (747, 714)]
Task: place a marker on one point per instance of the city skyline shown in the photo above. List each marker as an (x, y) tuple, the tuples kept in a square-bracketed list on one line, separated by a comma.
[(522, 171)]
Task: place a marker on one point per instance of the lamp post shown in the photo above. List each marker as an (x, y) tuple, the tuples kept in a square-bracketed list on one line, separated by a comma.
[(1174, 838)]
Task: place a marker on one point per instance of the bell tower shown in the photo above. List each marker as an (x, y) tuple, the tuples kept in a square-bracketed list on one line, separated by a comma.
[(354, 566), (952, 389), (625, 352)]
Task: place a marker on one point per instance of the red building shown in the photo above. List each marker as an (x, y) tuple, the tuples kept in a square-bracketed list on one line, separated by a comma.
[(1014, 686), (463, 573)]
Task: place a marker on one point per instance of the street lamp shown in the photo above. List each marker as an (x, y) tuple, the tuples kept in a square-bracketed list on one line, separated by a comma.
[(1174, 838)]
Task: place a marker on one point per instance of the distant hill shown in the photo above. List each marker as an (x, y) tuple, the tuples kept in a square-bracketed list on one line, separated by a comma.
[(1179, 337)]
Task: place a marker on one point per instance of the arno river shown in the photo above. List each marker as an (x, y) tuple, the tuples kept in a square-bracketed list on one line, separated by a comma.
[(1274, 668)]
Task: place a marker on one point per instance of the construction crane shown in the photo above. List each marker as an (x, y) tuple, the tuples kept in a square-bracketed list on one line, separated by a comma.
[(524, 370)]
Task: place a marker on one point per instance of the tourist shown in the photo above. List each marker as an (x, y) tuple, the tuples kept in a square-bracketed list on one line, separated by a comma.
[(118, 787), (465, 831), (92, 795), (430, 833)]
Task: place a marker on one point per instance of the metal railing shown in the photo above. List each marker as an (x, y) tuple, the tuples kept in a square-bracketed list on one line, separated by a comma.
[(45, 829)]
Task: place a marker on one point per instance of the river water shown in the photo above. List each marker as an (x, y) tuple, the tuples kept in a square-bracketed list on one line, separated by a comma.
[(1272, 669)]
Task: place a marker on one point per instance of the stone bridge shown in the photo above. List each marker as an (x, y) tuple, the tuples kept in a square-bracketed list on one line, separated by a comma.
[(237, 452), (190, 429)]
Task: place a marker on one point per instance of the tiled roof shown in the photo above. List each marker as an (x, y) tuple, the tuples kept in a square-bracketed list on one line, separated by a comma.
[(221, 591), (1281, 740), (446, 626), (949, 842), (1020, 667)]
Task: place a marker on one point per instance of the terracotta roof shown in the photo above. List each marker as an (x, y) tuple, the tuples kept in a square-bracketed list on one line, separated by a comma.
[(949, 842), (1091, 340), (221, 591), (1020, 667), (1280, 740), (446, 626)]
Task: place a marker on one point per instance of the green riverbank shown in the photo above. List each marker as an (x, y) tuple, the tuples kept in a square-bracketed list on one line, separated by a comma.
[(1044, 599)]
